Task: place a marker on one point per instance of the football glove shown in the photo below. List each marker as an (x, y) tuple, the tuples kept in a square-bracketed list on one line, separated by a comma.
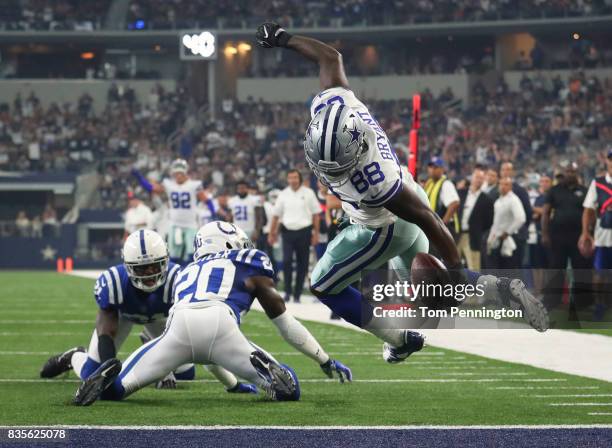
[(342, 371), (243, 388), (168, 382), (270, 34)]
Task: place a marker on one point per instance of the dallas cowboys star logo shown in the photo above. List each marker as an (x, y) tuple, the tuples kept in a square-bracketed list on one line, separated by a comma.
[(355, 134)]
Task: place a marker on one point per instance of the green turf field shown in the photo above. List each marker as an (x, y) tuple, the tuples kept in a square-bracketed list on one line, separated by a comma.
[(45, 313)]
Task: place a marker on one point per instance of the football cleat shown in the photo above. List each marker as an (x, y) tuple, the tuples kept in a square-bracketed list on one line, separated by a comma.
[(91, 389), (282, 382), (413, 342), (58, 364), (515, 291)]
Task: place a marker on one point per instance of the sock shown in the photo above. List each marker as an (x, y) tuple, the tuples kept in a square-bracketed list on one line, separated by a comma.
[(87, 368), (185, 372), (349, 305), (77, 361)]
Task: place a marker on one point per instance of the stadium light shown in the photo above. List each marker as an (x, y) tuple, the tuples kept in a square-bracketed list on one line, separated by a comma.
[(243, 47), (230, 51)]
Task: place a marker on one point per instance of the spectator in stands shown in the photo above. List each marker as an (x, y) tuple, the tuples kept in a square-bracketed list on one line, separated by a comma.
[(476, 217), (37, 227), (490, 185), (22, 224), (508, 218), (296, 212), (50, 223), (561, 225), (138, 215)]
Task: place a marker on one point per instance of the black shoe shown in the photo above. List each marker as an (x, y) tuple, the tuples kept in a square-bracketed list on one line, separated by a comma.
[(58, 364), (287, 298), (91, 389), (413, 342), (282, 384)]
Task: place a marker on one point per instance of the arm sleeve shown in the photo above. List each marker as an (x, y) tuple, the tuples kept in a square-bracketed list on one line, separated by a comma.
[(313, 203), (103, 291), (277, 210), (590, 200), (299, 337), (449, 193)]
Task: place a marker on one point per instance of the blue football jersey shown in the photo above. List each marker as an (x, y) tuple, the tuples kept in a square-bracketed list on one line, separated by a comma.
[(222, 277), (114, 291)]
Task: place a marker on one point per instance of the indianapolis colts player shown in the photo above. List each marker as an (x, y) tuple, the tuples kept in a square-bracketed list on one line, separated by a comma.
[(211, 296), (139, 291), (392, 221), (183, 195)]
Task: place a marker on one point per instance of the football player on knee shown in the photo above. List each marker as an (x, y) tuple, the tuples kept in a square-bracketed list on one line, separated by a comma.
[(350, 153), (137, 292), (211, 296), (183, 195)]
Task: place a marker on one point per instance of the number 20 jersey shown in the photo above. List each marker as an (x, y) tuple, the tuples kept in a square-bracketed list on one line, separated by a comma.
[(377, 177), (221, 277)]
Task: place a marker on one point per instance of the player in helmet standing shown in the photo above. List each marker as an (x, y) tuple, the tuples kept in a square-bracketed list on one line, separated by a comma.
[(183, 194)]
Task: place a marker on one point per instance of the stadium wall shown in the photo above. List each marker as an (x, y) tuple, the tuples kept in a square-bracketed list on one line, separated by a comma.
[(374, 87), (69, 90)]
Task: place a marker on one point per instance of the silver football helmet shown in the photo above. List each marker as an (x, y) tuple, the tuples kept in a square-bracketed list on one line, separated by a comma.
[(334, 143), (179, 166)]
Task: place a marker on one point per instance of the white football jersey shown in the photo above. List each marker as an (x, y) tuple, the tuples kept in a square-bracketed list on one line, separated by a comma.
[(243, 211), (182, 202), (378, 177)]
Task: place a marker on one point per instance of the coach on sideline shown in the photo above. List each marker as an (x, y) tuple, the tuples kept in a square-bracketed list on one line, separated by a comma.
[(296, 212)]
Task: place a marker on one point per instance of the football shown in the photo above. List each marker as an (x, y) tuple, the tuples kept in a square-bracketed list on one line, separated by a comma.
[(427, 270)]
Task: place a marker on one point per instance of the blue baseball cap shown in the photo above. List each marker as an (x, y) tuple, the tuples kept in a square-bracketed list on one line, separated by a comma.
[(436, 161)]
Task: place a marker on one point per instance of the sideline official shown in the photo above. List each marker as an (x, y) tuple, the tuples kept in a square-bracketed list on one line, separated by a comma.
[(296, 214)]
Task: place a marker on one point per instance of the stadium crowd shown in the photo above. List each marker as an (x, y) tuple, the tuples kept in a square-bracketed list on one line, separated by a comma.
[(161, 14), (165, 14), (43, 15)]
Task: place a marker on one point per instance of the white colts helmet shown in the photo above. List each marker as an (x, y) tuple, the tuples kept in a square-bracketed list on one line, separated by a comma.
[(145, 256), (217, 236)]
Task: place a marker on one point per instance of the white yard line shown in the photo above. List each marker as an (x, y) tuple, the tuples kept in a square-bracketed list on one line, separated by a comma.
[(579, 404), (569, 396), (541, 387)]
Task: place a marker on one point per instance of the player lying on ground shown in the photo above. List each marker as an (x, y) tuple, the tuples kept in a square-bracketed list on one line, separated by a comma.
[(392, 220), (136, 292), (210, 296), (183, 194)]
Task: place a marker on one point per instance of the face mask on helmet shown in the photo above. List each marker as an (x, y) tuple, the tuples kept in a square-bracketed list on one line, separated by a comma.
[(148, 277), (145, 257), (334, 144)]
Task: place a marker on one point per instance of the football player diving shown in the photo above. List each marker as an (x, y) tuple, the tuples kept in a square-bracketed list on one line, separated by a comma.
[(139, 291), (210, 297), (390, 214)]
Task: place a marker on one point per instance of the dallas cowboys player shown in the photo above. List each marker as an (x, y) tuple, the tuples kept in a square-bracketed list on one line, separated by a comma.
[(211, 295), (392, 221), (136, 292), (247, 211), (183, 194)]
